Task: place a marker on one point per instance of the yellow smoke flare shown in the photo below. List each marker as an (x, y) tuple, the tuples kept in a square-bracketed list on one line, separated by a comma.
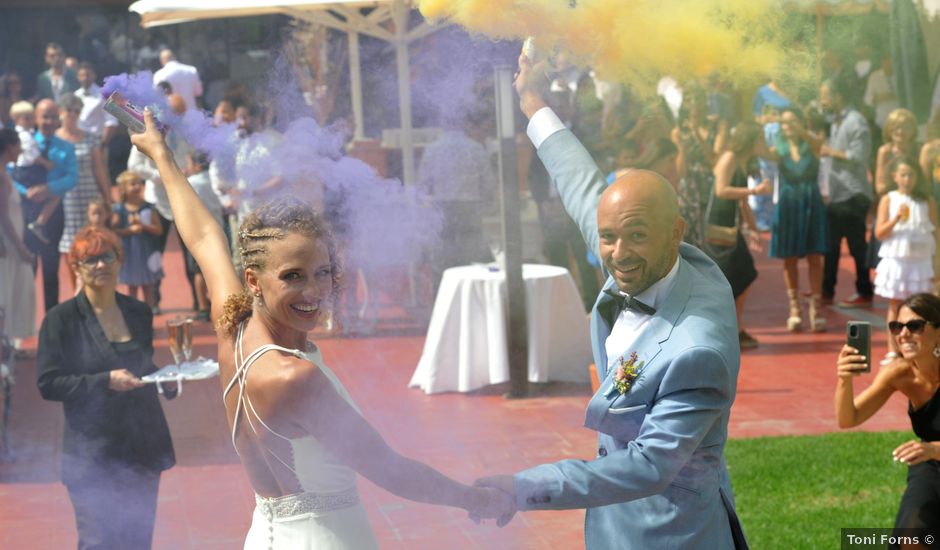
[(638, 41)]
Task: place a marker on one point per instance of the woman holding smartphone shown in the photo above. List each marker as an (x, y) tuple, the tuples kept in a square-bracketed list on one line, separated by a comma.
[(916, 374)]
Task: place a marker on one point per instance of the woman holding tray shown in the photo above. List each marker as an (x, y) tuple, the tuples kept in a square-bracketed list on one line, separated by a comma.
[(93, 351)]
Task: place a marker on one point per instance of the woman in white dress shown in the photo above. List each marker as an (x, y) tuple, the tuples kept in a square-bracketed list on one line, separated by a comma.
[(18, 287), (297, 432)]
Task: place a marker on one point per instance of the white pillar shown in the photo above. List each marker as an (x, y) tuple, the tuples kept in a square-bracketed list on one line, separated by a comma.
[(355, 84)]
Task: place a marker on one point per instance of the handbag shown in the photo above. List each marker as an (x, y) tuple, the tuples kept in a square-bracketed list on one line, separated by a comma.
[(718, 241), (720, 235)]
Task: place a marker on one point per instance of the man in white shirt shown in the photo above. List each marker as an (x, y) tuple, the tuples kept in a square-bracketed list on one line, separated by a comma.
[(93, 118), (456, 171), (183, 78)]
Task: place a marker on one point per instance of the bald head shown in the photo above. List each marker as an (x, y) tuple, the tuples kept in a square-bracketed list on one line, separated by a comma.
[(166, 55), (640, 229), (47, 116), (642, 187)]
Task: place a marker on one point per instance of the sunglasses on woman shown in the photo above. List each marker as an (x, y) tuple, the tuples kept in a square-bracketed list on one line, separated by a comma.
[(915, 326), (91, 261)]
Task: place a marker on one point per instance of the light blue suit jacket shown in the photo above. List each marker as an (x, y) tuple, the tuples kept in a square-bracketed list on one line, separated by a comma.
[(659, 478)]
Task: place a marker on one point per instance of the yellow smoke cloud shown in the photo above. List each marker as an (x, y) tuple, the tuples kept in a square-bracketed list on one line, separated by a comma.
[(638, 41)]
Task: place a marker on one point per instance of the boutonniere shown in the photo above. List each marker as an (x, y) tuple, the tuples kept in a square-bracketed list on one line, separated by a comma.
[(627, 372)]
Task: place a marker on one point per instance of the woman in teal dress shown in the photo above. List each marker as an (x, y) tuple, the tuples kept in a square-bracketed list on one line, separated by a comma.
[(799, 227)]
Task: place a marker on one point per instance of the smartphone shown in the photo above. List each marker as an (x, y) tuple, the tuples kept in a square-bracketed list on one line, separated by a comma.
[(859, 337), (128, 114)]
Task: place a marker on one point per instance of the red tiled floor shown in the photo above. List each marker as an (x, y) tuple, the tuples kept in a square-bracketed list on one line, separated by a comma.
[(785, 387)]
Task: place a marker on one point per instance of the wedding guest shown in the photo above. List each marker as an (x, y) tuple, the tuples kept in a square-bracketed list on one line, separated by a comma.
[(11, 91), (916, 375), (850, 194), (18, 288), (295, 428), (771, 94), (930, 156), (799, 226), (93, 351), (906, 224), (730, 209), (62, 177), (699, 141), (93, 118), (183, 78), (899, 135), (93, 183), (456, 172), (879, 93), (58, 79), (659, 478), (930, 164)]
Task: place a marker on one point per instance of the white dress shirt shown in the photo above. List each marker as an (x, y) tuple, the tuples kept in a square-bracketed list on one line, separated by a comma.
[(630, 323), (183, 78), (543, 124), (94, 119)]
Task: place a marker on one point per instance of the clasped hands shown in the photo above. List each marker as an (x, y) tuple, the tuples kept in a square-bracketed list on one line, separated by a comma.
[(495, 499)]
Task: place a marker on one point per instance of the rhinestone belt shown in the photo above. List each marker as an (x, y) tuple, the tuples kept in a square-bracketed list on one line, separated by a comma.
[(305, 503)]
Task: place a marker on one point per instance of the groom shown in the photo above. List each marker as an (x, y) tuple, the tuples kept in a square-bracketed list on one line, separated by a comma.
[(665, 343)]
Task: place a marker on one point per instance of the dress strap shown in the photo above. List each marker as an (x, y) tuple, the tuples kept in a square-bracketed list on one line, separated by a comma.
[(242, 364)]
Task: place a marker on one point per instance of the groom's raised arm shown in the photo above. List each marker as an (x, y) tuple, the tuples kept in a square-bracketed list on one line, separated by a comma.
[(572, 170)]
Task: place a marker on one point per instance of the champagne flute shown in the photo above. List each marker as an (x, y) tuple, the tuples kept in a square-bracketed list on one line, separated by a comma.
[(186, 343), (174, 332), (496, 249)]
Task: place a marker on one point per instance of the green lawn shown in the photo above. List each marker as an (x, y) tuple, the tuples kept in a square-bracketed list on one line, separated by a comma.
[(797, 492)]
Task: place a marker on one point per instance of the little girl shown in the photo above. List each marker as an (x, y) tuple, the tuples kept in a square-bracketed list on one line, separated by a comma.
[(906, 225), (136, 221), (99, 215)]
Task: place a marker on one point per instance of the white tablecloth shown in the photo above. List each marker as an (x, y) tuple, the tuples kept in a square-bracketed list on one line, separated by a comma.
[(466, 346)]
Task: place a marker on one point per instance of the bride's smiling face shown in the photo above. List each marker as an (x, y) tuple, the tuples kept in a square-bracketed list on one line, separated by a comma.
[(296, 282)]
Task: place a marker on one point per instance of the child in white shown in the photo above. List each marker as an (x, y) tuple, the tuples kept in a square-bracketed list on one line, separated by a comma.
[(906, 226), (31, 166)]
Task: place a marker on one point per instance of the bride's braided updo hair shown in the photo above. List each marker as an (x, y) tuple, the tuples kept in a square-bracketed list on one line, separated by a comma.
[(270, 222)]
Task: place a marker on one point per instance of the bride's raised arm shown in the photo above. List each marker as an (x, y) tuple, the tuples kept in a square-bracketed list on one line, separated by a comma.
[(200, 232)]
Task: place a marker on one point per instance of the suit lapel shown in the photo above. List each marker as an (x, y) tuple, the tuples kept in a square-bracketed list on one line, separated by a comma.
[(102, 345), (602, 321), (657, 331)]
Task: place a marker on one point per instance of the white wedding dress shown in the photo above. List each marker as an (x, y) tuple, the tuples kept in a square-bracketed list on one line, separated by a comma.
[(17, 279), (327, 514)]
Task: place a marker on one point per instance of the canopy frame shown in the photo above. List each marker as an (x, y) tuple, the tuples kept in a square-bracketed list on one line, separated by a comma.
[(335, 14)]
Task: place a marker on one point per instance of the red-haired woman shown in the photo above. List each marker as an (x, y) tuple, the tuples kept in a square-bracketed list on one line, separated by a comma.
[(93, 351)]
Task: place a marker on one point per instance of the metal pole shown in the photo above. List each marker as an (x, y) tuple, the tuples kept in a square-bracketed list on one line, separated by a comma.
[(516, 327), (400, 13), (355, 85)]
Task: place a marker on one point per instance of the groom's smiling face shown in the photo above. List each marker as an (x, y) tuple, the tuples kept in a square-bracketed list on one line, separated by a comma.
[(640, 229)]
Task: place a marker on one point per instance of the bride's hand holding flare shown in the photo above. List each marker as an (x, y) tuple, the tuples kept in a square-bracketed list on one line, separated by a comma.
[(151, 142)]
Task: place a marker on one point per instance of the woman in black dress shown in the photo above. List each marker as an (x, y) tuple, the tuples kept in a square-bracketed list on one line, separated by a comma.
[(93, 351), (916, 374), (729, 209)]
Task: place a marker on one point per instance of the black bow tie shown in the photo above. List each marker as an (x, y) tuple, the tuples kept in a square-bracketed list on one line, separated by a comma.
[(629, 302)]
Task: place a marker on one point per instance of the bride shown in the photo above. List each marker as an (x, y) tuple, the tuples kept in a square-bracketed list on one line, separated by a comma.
[(298, 434)]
